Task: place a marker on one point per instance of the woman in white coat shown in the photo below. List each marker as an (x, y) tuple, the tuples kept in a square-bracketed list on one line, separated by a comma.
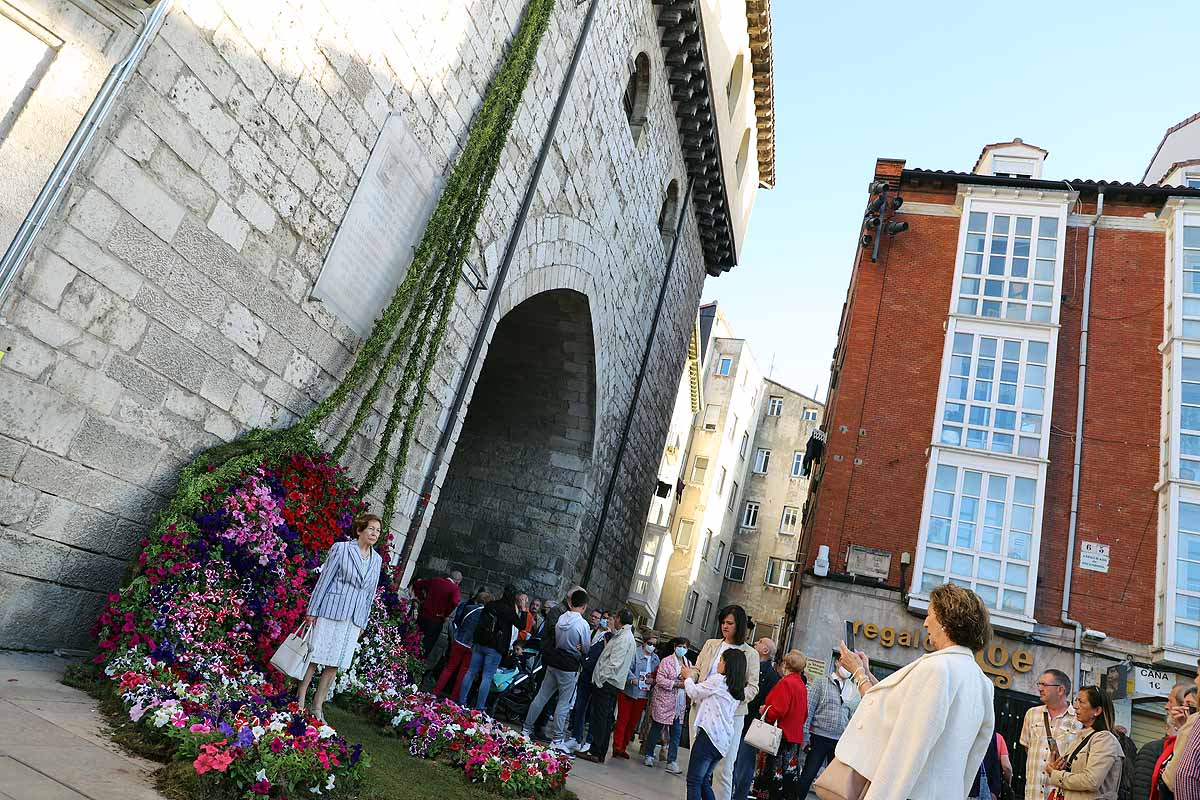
[(922, 732)]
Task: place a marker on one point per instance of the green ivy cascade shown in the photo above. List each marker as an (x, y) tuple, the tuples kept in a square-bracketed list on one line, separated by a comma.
[(412, 327)]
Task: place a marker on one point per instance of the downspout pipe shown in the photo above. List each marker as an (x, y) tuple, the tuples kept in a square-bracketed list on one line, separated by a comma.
[(1079, 407), (594, 549), (493, 300), (68, 162)]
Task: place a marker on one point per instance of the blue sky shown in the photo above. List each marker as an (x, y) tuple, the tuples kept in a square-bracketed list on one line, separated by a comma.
[(1096, 84)]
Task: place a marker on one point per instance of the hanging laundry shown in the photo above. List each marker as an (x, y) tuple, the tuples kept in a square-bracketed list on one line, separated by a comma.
[(813, 452)]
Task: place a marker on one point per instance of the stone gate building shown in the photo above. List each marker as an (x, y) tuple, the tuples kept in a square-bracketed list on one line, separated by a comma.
[(250, 199)]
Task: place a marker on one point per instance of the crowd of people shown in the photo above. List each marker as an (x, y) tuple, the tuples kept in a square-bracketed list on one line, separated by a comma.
[(926, 731)]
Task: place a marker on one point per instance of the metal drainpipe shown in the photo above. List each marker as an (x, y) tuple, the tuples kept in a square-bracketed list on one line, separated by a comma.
[(481, 335), (1083, 339), (637, 389), (60, 176)]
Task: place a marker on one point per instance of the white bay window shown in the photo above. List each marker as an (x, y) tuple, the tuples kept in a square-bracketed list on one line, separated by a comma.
[(985, 486)]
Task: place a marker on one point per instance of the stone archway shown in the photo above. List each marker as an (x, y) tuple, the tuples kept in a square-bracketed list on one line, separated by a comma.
[(520, 481)]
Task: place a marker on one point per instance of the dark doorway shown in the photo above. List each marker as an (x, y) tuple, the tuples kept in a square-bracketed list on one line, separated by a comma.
[(520, 481)]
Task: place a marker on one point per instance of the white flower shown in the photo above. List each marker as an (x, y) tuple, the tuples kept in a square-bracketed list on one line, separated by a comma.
[(261, 775), (161, 717), (329, 783), (315, 789), (324, 732), (258, 731)]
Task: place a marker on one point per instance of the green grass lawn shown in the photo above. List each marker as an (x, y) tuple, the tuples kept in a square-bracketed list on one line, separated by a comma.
[(395, 775)]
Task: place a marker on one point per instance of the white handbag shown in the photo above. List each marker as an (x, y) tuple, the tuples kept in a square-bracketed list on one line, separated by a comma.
[(764, 736), (292, 656)]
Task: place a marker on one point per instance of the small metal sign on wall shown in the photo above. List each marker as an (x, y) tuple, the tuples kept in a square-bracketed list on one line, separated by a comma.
[(1093, 556)]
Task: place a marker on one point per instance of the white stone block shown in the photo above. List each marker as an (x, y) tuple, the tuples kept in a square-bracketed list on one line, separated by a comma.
[(189, 44), (47, 278), (126, 183), (91, 260), (305, 176), (200, 108), (256, 211), (243, 328), (94, 215), (85, 385), (282, 107), (26, 355), (137, 140), (238, 53), (225, 223)]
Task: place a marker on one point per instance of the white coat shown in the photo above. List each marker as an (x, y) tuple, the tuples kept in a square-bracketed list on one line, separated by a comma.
[(922, 732)]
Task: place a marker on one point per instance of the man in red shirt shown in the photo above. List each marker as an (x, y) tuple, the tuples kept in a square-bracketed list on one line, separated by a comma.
[(439, 597)]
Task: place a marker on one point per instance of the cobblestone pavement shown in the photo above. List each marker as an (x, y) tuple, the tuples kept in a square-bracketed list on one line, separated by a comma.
[(620, 779)]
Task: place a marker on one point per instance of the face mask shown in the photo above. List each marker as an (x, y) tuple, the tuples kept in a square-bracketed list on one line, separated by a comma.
[(680, 652), (649, 648), (842, 673), (603, 623)]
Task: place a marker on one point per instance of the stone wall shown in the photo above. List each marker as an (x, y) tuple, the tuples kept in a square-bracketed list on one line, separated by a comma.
[(167, 307)]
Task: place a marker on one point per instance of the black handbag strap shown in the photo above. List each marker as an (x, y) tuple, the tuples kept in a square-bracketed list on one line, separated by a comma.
[(1078, 747)]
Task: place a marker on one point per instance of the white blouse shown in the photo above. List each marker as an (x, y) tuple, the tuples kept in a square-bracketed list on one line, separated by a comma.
[(715, 708)]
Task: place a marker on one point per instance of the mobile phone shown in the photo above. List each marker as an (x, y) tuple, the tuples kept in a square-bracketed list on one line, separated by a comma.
[(1049, 735), (849, 636)]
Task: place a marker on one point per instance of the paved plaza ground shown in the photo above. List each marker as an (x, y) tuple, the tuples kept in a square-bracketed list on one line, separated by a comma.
[(54, 746)]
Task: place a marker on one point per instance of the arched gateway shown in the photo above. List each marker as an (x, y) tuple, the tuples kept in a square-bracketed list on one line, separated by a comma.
[(521, 478)]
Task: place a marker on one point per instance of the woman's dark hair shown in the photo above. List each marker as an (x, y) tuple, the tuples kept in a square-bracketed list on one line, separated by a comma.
[(679, 640), (510, 594), (740, 621), (361, 522), (962, 614), (1098, 698), (735, 673)]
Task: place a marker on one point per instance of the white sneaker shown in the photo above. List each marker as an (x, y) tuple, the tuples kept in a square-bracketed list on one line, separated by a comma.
[(674, 769), (561, 746), (528, 734), (570, 746), (648, 761)]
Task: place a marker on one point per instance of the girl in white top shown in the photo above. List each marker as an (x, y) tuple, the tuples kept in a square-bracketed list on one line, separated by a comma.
[(716, 701)]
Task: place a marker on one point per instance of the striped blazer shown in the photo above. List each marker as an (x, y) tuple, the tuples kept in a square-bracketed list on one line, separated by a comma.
[(347, 585)]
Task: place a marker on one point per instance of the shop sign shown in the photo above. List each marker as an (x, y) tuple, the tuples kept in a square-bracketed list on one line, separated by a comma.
[(1151, 682), (996, 660), (869, 562)]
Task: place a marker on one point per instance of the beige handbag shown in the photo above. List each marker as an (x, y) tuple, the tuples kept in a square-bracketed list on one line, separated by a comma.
[(764, 736), (292, 656), (840, 782)]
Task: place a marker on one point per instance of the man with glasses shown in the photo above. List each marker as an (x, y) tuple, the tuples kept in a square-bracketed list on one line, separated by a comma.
[(1054, 690)]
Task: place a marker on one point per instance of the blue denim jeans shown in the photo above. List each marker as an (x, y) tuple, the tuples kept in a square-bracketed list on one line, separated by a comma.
[(672, 742), (743, 771), (579, 714), (701, 766), (483, 659)]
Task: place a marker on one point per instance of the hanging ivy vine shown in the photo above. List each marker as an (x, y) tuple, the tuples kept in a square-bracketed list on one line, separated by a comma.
[(407, 337)]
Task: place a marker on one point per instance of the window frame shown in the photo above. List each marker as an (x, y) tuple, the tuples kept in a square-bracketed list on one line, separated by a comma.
[(750, 512), (762, 460), (691, 523), (745, 445), (724, 367), (706, 619), (788, 569), (797, 463), (774, 405), (733, 493), (718, 561), (706, 544), (703, 470), (721, 477), (792, 529), (710, 421), (689, 609), (740, 562), (809, 415)]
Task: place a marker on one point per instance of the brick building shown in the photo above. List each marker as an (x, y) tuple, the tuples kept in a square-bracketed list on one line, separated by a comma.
[(251, 197), (953, 421)]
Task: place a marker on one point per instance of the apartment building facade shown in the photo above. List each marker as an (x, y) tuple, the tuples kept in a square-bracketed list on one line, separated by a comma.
[(765, 533), (1014, 408)]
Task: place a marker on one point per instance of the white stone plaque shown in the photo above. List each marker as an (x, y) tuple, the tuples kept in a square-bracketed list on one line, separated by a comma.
[(868, 562), (375, 243), (1093, 556)]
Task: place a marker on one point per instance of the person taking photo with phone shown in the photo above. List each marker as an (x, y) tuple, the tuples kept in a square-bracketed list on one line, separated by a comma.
[(1054, 690), (1091, 769)]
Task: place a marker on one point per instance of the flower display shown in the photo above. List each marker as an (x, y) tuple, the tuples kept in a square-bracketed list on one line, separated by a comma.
[(188, 640), (490, 753)]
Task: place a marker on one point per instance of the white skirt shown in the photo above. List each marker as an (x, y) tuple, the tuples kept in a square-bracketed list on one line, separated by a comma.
[(332, 642)]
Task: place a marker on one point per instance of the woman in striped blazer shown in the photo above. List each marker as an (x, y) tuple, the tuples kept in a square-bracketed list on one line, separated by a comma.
[(339, 607)]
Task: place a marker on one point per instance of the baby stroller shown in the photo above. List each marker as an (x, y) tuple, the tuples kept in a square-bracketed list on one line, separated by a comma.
[(515, 685)]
